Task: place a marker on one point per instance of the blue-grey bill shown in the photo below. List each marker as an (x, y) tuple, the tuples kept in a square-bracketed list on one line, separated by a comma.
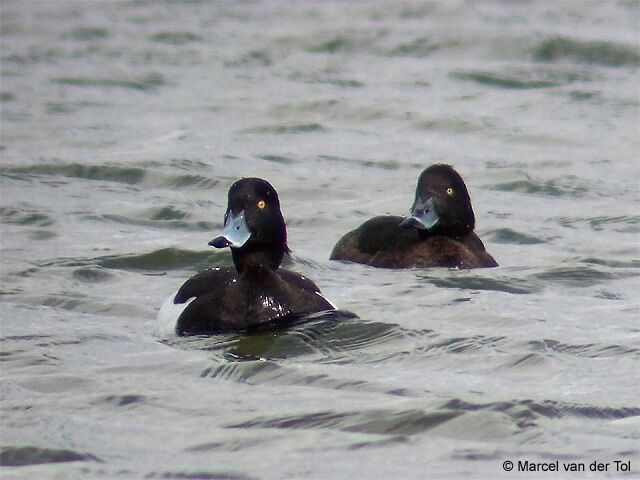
[(234, 234), (423, 215)]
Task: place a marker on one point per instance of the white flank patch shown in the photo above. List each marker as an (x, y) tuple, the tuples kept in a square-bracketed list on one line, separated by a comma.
[(168, 315)]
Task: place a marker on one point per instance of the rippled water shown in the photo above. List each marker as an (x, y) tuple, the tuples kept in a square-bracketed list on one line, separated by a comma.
[(123, 126)]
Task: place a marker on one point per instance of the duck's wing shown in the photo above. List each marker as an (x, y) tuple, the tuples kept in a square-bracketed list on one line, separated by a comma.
[(483, 259), (205, 282), (315, 299), (177, 313), (378, 234)]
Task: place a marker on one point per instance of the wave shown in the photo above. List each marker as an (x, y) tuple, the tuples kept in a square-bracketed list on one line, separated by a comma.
[(598, 52), (287, 129), (521, 81), (406, 422), (25, 216), (27, 455), (589, 350), (383, 165), (569, 186), (530, 409), (581, 275), (510, 236), (159, 217), (162, 259), (618, 223), (86, 33), (381, 422), (480, 282), (145, 83), (111, 173), (175, 38)]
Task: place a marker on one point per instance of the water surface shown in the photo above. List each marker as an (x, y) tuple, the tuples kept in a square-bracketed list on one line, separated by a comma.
[(123, 126)]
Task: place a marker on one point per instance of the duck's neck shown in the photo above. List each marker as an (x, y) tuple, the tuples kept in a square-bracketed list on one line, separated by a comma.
[(246, 260)]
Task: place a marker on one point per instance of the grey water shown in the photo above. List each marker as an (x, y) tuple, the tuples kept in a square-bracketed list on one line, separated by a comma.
[(123, 124)]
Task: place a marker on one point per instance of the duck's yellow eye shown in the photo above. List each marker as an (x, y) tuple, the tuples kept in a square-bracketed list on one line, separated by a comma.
[(449, 191), (261, 204)]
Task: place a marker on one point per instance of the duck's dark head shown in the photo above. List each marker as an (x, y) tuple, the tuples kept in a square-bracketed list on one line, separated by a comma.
[(253, 225), (442, 204)]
